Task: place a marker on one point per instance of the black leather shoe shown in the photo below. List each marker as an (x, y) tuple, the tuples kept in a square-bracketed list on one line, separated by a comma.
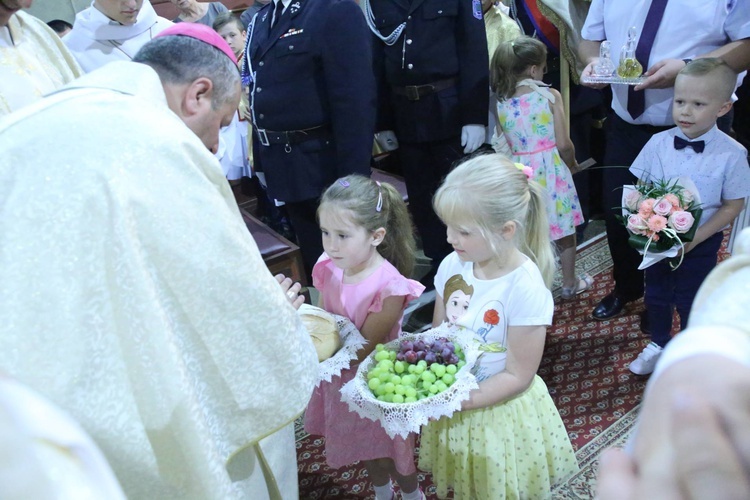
[(609, 307), (645, 326)]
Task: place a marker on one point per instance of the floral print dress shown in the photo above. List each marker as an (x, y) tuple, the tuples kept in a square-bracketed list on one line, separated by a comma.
[(529, 129)]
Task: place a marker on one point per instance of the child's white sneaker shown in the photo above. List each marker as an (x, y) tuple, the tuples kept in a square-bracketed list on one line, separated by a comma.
[(645, 363)]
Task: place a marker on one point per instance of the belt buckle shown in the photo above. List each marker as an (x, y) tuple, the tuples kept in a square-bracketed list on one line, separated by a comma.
[(263, 136), (412, 92)]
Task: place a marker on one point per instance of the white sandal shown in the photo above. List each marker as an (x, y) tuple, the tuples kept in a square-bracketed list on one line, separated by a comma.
[(584, 283)]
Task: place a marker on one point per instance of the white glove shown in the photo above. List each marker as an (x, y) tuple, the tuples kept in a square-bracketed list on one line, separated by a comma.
[(387, 140), (472, 137)]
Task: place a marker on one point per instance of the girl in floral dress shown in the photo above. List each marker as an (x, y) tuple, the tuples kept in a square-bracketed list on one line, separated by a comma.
[(532, 119)]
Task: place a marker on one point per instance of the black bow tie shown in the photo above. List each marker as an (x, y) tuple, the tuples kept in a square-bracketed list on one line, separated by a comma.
[(680, 143)]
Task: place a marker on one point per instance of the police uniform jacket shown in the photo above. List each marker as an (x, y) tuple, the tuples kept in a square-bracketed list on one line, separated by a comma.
[(442, 40), (313, 70)]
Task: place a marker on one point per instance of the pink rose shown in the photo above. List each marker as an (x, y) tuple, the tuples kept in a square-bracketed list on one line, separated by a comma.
[(687, 197), (673, 200), (681, 221), (646, 208), (636, 224), (631, 200), (656, 223), (663, 207)]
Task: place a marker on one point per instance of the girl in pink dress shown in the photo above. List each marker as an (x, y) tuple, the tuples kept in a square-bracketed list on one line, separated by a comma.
[(369, 248)]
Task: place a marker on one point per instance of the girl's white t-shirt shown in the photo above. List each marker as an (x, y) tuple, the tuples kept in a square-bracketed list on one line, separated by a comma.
[(488, 307)]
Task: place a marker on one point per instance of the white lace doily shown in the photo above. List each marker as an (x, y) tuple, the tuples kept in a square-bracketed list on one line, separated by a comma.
[(400, 419), (351, 342)]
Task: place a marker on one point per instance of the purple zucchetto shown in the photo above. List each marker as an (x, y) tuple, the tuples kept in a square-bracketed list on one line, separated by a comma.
[(202, 33)]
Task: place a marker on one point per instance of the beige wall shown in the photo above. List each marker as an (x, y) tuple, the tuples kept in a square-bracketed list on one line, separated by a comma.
[(47, 10)]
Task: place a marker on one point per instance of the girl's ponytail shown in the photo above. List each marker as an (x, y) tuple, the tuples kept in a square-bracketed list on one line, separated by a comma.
[(539, 246), (398, 246), (502, 75)]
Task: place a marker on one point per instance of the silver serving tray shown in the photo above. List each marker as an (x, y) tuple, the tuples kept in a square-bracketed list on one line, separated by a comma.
[(613, 80)]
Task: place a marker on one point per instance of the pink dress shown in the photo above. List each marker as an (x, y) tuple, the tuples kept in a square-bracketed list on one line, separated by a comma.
[(350, 438)]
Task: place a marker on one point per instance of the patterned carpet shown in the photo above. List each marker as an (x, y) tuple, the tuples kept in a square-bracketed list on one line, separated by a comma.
[(582, 485), (585, 363), (585, 367)]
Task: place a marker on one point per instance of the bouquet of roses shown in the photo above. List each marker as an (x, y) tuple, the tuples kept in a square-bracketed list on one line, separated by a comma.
[(661, 217)]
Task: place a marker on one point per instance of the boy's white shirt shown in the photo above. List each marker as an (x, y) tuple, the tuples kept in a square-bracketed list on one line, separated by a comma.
[(721, 171)]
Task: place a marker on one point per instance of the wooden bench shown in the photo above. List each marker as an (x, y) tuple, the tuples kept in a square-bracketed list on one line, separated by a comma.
[(395, 180), (279, 254)]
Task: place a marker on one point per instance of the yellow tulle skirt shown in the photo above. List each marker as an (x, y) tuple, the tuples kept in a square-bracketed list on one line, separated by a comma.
[(514, 450)]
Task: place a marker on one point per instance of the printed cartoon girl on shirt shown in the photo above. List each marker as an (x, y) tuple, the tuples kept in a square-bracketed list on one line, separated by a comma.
[(457, 293)]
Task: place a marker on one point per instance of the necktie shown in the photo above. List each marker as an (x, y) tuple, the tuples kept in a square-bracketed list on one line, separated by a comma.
[(680, 143), (277, 11), (637, 100)]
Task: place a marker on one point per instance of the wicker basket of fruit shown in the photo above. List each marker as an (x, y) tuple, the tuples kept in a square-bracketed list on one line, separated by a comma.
[(409, 381)]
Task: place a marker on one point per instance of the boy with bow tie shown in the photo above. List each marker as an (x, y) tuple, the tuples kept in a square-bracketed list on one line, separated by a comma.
[(718, 166)]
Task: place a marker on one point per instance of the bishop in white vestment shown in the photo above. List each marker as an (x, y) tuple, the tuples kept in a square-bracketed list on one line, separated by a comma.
[(133, 296)]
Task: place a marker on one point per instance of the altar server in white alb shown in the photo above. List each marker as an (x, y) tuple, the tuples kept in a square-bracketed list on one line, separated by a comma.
[(112, 30), (33, 60), (132, 295)]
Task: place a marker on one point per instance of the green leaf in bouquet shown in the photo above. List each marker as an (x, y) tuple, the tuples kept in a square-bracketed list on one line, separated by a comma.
[(659, 188), (639, 242)]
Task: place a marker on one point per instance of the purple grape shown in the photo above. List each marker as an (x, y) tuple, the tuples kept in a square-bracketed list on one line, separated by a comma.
[(446, 353), (407, 345), (437, 346), (419, 345), (400, 356), (410, 357), (450, 346), (430, 357), (421, 355), (452, 359)]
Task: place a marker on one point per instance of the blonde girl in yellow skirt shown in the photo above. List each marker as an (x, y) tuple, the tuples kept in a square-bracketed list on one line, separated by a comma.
[(508, 440)]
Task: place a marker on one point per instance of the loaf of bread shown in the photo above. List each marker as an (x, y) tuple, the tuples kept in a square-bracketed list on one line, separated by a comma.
[(323, 330)]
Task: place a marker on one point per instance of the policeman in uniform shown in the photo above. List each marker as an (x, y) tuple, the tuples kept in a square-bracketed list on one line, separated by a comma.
[(312, 95), (431, 66)]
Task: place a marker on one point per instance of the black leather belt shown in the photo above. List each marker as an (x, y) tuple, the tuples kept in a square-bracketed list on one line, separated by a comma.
[(268, 137), (415, 92)]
